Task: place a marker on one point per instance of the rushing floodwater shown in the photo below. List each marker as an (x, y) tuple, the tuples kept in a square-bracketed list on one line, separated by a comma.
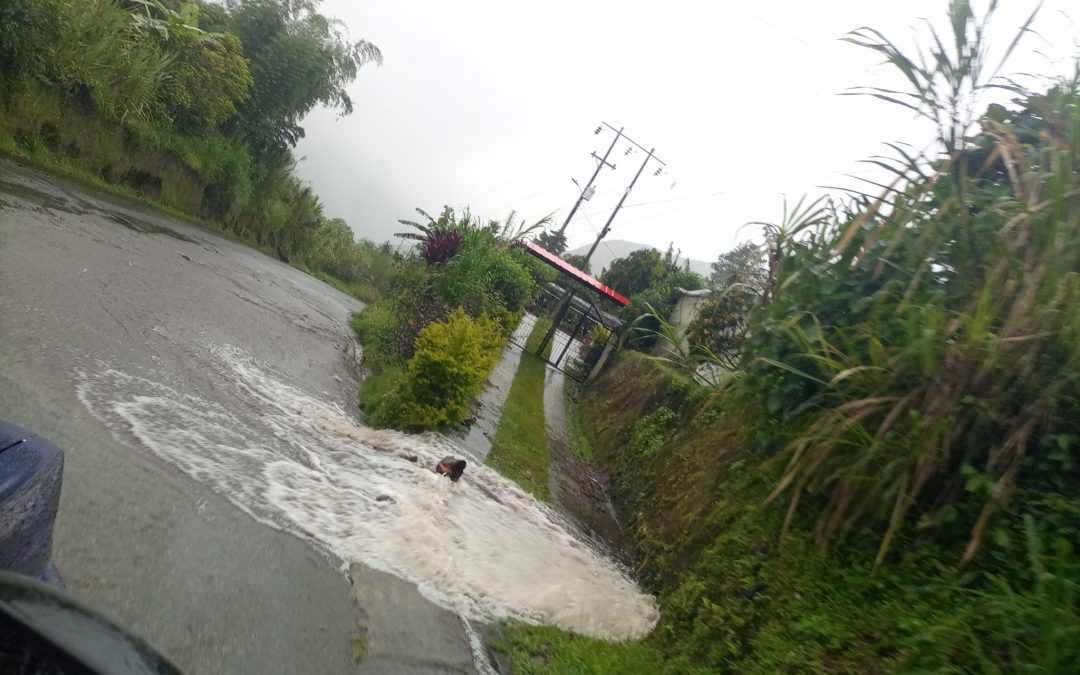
[(481, 546)]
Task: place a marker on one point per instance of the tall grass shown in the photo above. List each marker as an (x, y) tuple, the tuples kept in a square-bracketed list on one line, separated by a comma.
[(134, 97), (104, 59), (922, 352)]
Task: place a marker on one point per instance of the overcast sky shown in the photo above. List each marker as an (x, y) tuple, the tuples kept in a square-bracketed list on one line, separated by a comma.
[(492, 104)]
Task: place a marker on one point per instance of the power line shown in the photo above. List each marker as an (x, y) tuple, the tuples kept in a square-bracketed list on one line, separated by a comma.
[(796, 36), (597, 231), (655, 215), (532, 166), (541, 191), (564, 304), (601, 162), (676, 199)]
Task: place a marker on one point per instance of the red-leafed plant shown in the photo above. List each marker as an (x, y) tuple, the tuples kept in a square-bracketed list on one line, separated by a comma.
[(440, 245)]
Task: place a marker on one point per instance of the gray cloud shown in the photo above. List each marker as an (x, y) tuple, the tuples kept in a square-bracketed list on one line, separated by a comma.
[(492, 104)]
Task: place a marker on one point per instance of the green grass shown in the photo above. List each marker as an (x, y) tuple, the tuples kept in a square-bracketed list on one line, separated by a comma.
[(543, 650), (360, 647), (376, 386), (375, 328), (575, 423), (520, 450), (364, 292)]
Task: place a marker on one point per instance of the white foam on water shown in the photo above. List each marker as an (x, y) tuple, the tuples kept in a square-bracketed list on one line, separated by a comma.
[(481, 547)]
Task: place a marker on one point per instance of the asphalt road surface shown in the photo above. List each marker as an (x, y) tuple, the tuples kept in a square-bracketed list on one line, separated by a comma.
[(94, 289)]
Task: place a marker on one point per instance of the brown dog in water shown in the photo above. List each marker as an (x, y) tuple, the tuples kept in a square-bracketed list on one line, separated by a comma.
[(448, 466)]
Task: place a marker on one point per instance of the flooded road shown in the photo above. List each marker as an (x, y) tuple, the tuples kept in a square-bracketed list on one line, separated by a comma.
[(218, 482), (83, 292)]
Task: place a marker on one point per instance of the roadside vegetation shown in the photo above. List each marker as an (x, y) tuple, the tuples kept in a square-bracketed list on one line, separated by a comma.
[(520, 448), (575, 422), (887, 478), (194, 107), (431, 343), (651, 280), (863, 457)]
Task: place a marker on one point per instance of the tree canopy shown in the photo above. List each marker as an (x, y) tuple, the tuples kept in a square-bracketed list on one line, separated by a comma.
[(298, 59), (640, 270)]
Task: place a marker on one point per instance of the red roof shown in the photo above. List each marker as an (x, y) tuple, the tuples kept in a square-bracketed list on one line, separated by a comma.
[(571, 271)]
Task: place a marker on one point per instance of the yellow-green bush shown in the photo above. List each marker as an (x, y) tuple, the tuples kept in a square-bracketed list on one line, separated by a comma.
[(448, 369)]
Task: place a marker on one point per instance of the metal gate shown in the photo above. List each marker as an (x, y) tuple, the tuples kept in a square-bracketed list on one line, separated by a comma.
[(578, 341)]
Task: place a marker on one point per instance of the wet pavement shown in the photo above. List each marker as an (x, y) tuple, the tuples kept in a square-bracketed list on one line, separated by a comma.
[(93, 286), (433, 643), (487, 409)]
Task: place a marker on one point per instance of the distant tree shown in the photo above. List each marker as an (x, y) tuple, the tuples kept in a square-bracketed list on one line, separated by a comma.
[(740, 283), (331, 242), (552, 242), (298, 59), (638, 271), (212, 16), (660, 297), (287, 219), (743, 264), (577, 261)]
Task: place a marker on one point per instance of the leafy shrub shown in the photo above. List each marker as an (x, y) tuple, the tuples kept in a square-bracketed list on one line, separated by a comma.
[(599, 333), (415, 303), (449, 367), (509, 283), (469, 265), (484, 276), (507, 319), (540, 272), (651, 431)]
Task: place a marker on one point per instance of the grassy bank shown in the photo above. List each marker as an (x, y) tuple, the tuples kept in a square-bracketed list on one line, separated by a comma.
[(575, 422), (86, 142), (520, 449), (360, 290), (181, 106), (733, 599), (32, 151), (541, 650), (385, 368)]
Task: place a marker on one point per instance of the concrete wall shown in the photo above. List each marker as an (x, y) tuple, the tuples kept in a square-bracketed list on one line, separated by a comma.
[(686, 310)]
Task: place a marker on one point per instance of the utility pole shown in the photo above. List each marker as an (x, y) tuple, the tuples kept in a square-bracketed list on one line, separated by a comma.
[(568, 296), (602, 162), (607, 225)]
